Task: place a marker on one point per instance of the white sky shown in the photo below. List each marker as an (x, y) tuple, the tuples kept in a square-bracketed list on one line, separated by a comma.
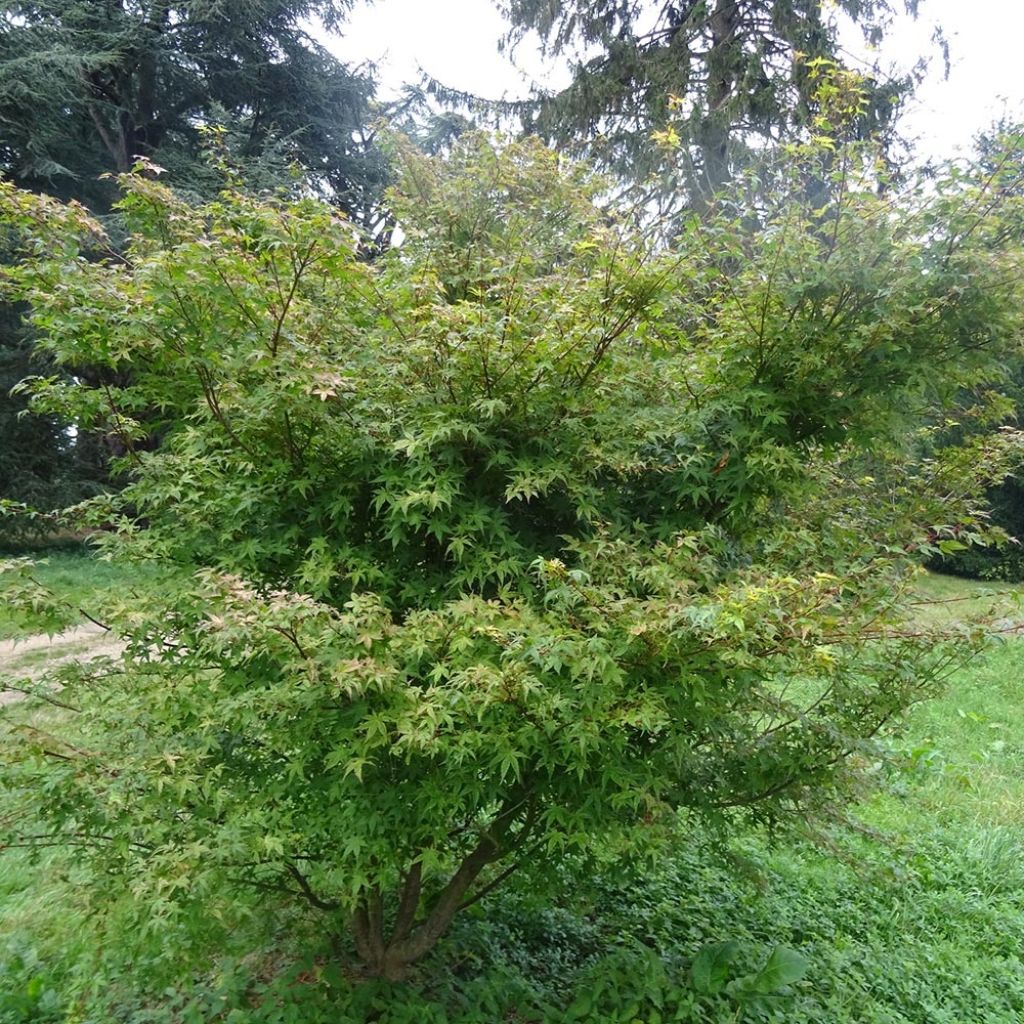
[(456, 41)]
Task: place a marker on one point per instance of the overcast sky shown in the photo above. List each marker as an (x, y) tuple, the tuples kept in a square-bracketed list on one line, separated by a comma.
[(456, 41)]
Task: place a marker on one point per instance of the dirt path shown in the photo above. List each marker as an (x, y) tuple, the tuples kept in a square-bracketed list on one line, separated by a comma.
[(26, 657)]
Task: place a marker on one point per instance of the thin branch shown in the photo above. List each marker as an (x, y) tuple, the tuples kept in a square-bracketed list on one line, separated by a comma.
[(312, 898), (497, 880), (7, 688)]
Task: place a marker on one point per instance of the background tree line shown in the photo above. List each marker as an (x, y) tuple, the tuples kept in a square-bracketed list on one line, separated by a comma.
[(207, 90)]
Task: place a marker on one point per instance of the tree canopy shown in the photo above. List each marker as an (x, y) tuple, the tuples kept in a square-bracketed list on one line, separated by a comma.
[(511, 544), (87, 87), (201, 88), (37, 470)]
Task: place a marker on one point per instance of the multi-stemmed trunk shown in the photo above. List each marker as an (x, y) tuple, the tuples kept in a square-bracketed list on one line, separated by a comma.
[(391, 931), (389, 952)]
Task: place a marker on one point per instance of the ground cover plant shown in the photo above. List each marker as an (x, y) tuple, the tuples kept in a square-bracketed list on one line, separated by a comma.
[(494, 557)]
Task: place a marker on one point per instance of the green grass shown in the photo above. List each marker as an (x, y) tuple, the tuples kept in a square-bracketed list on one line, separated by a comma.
[(81, 582), (916, 916), (964, 754), (946, 600)]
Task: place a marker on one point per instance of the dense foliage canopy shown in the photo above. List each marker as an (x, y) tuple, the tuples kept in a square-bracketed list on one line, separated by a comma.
[(203, 88), (42, 465), (512, 543)]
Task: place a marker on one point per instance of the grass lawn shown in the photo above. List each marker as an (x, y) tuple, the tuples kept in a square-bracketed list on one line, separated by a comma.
[(949, 599), (83, 583), (913, 914)]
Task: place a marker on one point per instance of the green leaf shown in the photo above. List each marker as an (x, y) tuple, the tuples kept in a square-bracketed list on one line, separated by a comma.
[(784, 967), (710, 968)]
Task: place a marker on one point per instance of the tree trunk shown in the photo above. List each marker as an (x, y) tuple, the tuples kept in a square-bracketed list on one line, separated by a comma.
[(390, 954), (716, 127), (113, 139)]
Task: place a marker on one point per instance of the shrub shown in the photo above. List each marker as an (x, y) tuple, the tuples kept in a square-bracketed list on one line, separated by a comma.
[(509, 545)]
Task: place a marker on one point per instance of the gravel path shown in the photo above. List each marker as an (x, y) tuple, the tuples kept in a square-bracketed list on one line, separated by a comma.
[(25, 657)]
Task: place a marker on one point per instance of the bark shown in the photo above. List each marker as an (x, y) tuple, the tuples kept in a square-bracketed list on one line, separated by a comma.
[(114, 141), (390, 955), (716, 128)]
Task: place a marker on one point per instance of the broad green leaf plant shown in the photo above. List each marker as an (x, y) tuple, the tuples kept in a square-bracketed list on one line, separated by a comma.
[(503, 548)]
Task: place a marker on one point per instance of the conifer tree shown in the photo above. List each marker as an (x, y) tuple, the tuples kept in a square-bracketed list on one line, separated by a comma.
[(725, 76), (86, 87)]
